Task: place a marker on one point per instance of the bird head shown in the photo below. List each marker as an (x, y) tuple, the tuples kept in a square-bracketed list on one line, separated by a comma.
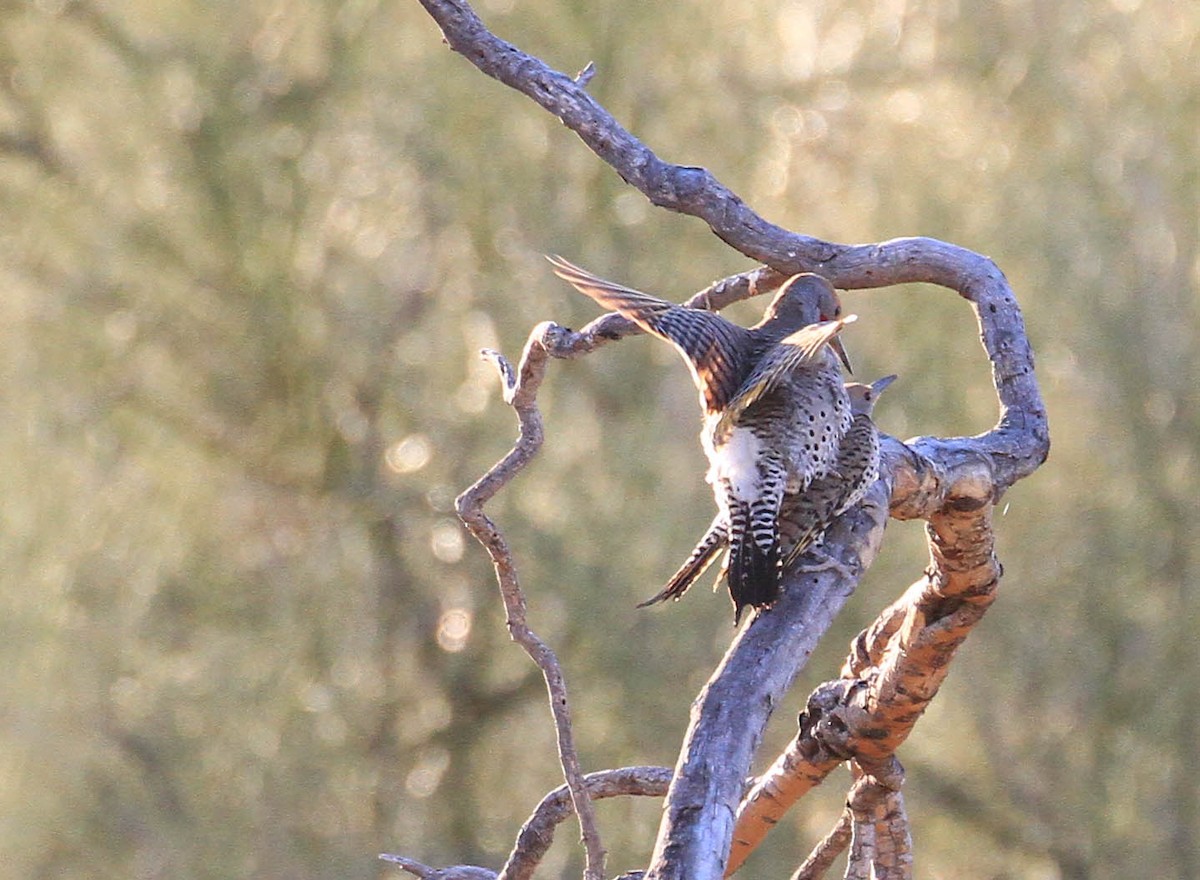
[(863, 397), (808, 299)]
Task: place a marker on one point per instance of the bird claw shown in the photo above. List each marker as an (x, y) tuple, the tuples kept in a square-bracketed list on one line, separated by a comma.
[(824, 561)]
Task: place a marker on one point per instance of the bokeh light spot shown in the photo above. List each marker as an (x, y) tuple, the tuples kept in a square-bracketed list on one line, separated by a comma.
[(447, 541), (454, 629), (426, 775), (409, 455)]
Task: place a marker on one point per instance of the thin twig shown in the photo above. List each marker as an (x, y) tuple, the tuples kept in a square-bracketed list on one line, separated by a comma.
[(824, 854), (538, 831), (454, 872), (520, 391), (872, 800)]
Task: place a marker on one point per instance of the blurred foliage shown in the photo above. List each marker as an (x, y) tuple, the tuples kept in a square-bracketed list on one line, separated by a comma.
[(251, 252)]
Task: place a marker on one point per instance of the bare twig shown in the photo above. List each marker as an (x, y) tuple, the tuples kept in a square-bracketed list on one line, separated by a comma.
[(454, 872), (824, 853), (520, 391), (538, 831), (874, 820)]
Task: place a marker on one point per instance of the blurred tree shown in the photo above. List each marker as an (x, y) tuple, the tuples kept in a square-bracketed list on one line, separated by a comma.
[(252, 250)]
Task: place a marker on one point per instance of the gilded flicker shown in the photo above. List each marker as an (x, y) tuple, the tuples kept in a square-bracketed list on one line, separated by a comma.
[(804, 518), (774, 408)]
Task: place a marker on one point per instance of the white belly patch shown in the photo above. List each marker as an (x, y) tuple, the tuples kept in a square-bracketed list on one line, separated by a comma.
[(736, 462)]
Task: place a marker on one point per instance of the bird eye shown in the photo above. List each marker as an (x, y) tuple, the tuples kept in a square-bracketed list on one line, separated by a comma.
[(837, 313)]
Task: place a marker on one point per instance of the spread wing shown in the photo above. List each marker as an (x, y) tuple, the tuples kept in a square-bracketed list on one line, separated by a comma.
[(790, 353), (715, 349)]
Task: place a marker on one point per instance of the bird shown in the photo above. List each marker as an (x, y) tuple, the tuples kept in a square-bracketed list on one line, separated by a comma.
[(804, 517), (774, 409)]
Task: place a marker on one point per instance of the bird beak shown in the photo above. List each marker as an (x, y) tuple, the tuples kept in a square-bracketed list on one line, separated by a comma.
[(879, 384), (836, 342), (836, 345)]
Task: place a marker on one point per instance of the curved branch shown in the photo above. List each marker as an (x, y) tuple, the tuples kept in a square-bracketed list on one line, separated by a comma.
[(1020, 441), (425, 872), (520, 391), (537, 833), (825, 853), (953, 483)]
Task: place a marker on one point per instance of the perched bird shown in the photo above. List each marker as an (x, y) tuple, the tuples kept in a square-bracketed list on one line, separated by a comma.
[(805, 517), (774, 408)]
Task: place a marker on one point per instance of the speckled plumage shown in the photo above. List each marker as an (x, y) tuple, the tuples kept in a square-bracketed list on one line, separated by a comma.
[(774, 412), (804, 517)]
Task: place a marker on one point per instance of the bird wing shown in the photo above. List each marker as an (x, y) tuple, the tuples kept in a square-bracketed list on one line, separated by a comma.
[(781, 359), (712, 345)]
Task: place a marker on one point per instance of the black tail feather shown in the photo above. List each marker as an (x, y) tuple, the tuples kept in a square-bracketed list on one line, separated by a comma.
[(753, 574)]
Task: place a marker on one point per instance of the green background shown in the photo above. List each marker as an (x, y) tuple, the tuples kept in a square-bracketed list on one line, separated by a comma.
[(249, 252)]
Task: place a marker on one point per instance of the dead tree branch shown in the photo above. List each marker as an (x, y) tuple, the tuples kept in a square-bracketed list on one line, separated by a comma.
[(897, 665), (537, 833), (953, 483), (873, 824), (729, 716), (520, 392), (826, 852)]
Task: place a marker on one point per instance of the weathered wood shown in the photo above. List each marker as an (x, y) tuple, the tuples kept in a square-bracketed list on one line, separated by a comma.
[(953, 483), (537, 833), (895, 666), (520, 391)]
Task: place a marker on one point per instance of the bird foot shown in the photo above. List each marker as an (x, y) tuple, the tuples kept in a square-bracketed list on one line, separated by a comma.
[(823, 561)]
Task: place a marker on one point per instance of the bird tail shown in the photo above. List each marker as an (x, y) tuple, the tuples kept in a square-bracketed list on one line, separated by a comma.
[(697, 563), (753, 563), (710, 344)]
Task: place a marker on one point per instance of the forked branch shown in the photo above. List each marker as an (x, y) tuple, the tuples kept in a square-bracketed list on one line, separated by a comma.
[(538, 831), (897, 665), (520, 391), (900, 661)]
